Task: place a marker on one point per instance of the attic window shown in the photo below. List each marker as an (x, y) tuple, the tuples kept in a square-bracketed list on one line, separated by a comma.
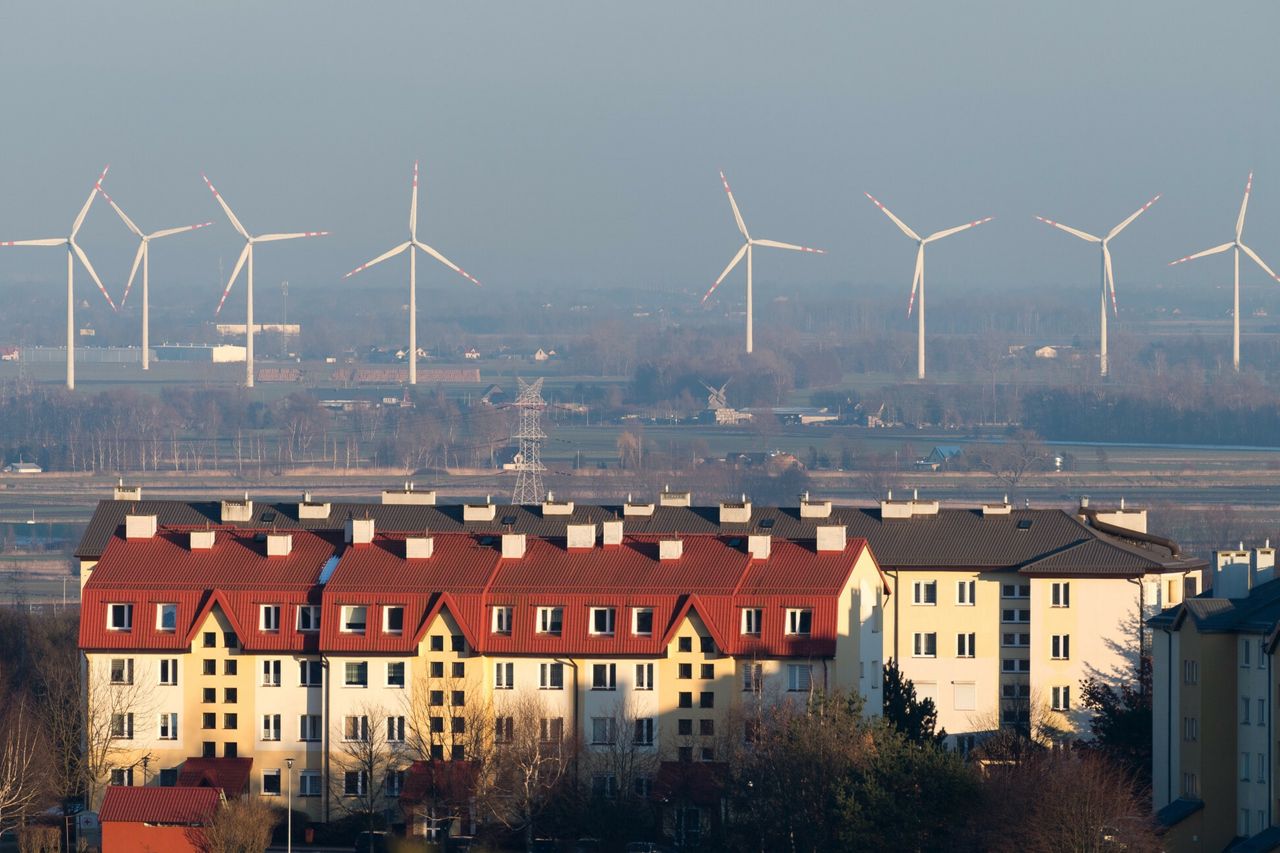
[(766, 523), (268, 516), (1024, 524), (735, 542), (508, 520)]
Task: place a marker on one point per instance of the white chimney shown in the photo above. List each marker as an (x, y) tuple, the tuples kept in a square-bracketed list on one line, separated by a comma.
[(479, 512), (759, 545), (126, 493), (580, 536), (512, 546), (830, 537), (308, 508), (1231, 574), (358, 531), (202, 540), (551, 506), (237, 510), (670, 498), (735, 513), (139, 526), (630, 509), (670, 549), (1264, 564), (611, 532), (997, 509), (419, 547), (409, 496), (279, 544), (814, 509)]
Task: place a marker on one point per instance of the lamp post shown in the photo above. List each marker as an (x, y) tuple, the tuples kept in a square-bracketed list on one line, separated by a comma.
[(288, 837)]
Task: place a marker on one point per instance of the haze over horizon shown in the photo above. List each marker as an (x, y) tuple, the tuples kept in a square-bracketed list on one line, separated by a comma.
[(580, 146)]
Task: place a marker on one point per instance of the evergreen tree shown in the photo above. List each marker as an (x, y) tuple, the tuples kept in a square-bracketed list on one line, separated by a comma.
[(916, 719)]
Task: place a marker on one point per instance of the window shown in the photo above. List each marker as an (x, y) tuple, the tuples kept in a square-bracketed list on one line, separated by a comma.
[(604, 676), (1261, 773), (271, 673), (437, 643), (122, 726), (309, 727), (437, 725), (1245, 645), (122, 670), (504, 676), (1262, 653), (1244, 767), (684, 727), (1190, 785), (437, 669), (799, 677), (395, 729), (966, 593), (458, 643), (357, 673), (706, 699), (395, 782), (269, 617), (1191, 671), (685, 754), (230, 695), (643, 787), (924, 592), (395, 673), (271, 727), (231, 721), (751, 618), (1190, 729), (122, 776), (551, 729), (229, 640), (1244, 711), (458, 725), (354, 783), (603, 730), (684, 644), (436, 698), (707, 671), (707, 728), (1262, 712), (799, 622), (642, 621), (354, 618), (965, 644), (925, 645), (166, 617), (685, 699), (458, 698), (393, 620), (271, 783), (1015, 640), (1060, 698), (1015, 665), (1060, 646), (966, 696), (310, 673), (684, 670), (551, 676), (1011, 615), (169, 671), (604, 785), (208, 749), (1011, 590), (120, 617), (753, 677), (504, 730), (644, 676), (308, 618), (458, 669), (644, 732), (355, 728), (602, 621), (209, 639), (1060, 594), (550, 620), (1016, 691), (168, 729), (209, 694), (230, 667), (502, 620), (208, 721)]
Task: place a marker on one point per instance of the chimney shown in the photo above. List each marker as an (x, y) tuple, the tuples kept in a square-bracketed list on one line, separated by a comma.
[(889, 508), (670, 498), (139, 526), (580, 536), (551, 506), (611, 532), (830, 537), (1264, 564), (1129, 519), (998, 509), (486, 511), (279, 544), (814, 509), (358, 531), (735, 513), (670, 549), (312, 509), (630, 509), (759, 545), (126, 493), (237, 510), (419, 547), (202, 540), (409, 496), (1231, 574), (512, 546)]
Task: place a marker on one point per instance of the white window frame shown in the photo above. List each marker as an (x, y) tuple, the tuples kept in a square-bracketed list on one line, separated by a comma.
[(1015, 590), (309, 728), (504, 676), (635, 621), (269, 618), (545, 680), (644, 730), (348, 611), (168, 726), (167, 672), (404, 675), (1019, 640), (394, 782), (309, 783), (644, 676), (125, 611), (921, 642), (610, 680), (550, 620), (752, 677), (752, 618), (279, 780), (347, 672), (312, 621), (966, 645), (161, 610), (305, 668), (361, 780), (395, 729), (387, 610), (796, 617), (1060, 698), (359, 723), (271, 727), (608, 736), (1060, 594), (799, 677), (271, 672), (608, 616), (1060, 646), (966, 593), (1020, 616), (502, 619), (126, 671), (922, 591), (125, 728)]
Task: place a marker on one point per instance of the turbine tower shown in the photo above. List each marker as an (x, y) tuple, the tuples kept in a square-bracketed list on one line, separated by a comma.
[(529, 465), (247, 255), (143, 257), (414, 243), (73, 251), (1108, 279), (1239, 246), (746, 250), (917, 279)]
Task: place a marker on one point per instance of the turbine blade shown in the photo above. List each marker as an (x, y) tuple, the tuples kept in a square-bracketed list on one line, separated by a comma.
[(448, 263), (1123, 225), (938, 235), (896, 221), (915, 278), (51, 241), (733, 263), (1215, 250), (226, 208), (84, 259), (1083, 235), (1244, 204), (1257, 260), (1111, 279), (413, 204), (137, 260), (169, 232), (737, 215), (793, 247), (271, 238), (84, 211), (127, 221), (244, 255), (388, 254)]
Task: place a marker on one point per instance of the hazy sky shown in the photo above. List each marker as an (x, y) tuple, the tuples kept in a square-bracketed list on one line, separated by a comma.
[(579, 142)]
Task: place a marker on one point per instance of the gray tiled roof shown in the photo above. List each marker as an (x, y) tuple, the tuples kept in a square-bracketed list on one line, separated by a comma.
[(1259, 613), (1178, 811)]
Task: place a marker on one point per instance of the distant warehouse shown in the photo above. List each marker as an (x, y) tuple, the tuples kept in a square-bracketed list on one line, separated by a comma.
[(84, 355), (201, 353)]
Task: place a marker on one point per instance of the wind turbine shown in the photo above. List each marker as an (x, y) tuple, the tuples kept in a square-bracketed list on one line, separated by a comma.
[(414, 243), (1108, 279), (746, 250), (917, 279), (143, 256), (1239, 246), (247, 254), (73, 251)]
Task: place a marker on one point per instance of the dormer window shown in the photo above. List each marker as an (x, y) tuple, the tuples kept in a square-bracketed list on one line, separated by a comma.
[(602, 621), (751, 619), (120, 617), (393, 619), (270, 617), (642, 621), (166, 617), (550, 620), (308, 617), (799, 622), (354, 618), (502, 620)]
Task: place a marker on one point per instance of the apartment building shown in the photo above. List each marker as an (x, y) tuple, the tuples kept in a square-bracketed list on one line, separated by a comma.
[(1214, 689)]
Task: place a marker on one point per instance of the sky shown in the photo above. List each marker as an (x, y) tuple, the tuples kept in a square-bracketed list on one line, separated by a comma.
[(578, 143)]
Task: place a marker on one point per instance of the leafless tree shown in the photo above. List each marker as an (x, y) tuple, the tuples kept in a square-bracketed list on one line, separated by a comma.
[(364, 754), (20, 778), (243, 825), (530, 764), (1011, 461)]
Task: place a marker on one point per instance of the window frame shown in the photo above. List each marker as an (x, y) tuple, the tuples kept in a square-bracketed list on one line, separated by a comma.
[(607, 615), (387, 611), (501, 618), (347, 612), (312, 612), (921, 642), (797, 617), (752, 621), (636, 614), (504, 675), (388, 682), (966, 593), (126, 610), (921, 591), (362, 666), (550, 620), (269, 618), (166, 608)]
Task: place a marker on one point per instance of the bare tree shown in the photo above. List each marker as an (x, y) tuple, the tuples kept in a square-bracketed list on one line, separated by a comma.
[(111, 711), (531, 762), (243, 825), (20, 782), (1011, 461), (620, 764), (364, 752)]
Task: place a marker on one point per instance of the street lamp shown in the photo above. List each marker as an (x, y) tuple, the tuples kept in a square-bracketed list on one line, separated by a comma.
[(288, 837)]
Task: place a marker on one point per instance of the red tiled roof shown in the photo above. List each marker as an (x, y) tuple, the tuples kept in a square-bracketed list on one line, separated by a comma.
[(174, 806), (231, 775)]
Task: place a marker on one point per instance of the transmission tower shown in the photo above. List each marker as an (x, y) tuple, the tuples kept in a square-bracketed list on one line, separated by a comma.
[(528, 462)]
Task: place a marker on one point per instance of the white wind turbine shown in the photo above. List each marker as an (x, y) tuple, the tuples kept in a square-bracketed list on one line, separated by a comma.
[(143, 257), (917, 279), (1239, 246), (247, 255), (1108, 279), (409, 245), (73, 251), (746, 250)]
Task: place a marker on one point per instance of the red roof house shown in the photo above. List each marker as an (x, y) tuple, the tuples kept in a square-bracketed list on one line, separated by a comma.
[(153, 819)]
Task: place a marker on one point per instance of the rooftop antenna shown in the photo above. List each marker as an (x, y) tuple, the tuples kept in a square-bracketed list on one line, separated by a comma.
[(1026, 502), (529, 467)]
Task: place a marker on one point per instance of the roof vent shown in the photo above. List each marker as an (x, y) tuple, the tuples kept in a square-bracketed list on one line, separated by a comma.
[(611, 532), (409, 495), (512, 546), (830, 537), (759, 545), (670, 549), (202, 540), (630, 509), (670, 498), (551, 506), (126, 493), (479, 512), (814, 509), (419, 547), (580, 536), (735, 513), (279, 544), (358, 531), (308, 508), (997, 509), (237, 510), (139, 526)]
